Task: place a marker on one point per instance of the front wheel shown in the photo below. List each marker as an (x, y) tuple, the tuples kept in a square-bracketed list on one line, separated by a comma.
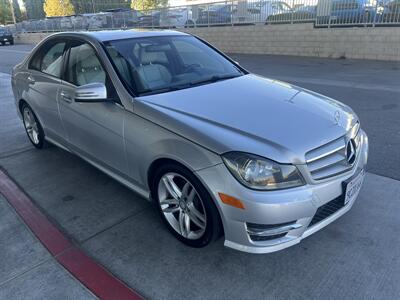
[(32, 127), (185, 206)]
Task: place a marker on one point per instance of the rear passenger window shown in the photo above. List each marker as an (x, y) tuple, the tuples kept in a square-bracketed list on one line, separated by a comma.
[(49, 61)]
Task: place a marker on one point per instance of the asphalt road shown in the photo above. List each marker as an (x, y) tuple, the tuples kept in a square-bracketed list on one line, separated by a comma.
[(371, 88)]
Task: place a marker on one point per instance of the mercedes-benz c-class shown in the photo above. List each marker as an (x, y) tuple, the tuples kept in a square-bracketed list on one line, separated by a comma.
[(220, 151)]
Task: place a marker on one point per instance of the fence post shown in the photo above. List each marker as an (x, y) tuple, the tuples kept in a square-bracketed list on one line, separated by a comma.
[(376, 13), (292, 13), (232, 13), (208, 15)]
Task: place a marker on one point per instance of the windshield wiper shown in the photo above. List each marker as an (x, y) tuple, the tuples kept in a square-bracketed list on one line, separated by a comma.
[(165, 89), (214, 78), (190, 84)]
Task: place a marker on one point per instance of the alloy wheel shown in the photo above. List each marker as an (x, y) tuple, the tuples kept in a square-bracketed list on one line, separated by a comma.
[(31, 125), (182, 206)]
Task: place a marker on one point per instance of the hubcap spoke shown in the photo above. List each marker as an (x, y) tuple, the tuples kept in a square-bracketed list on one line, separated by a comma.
[(169, 201), (183, 223), (171, 186), (191, 196), (197, 217), (171, 209)]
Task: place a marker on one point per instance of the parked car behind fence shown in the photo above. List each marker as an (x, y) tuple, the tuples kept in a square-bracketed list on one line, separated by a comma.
[(232, 12), (254, 11), (215, 14), (391, 12), (177, 18)]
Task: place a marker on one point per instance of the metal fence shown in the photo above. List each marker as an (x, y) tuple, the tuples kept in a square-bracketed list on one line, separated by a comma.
[(231, 13)]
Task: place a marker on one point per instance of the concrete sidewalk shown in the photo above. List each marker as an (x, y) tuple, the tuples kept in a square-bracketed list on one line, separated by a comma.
[(27, 270)]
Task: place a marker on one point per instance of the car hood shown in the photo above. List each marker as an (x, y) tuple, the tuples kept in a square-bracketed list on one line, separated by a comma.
[(250, 114)]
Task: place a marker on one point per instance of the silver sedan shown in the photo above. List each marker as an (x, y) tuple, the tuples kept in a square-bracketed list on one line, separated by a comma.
[(220, 150)]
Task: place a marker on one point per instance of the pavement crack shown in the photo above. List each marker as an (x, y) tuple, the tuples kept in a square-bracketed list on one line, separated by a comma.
[(113, 225), (15, 152), (28, 269)]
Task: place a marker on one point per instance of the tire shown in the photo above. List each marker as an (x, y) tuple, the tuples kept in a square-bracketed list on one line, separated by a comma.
[(33, 128), (189, 24), (204, 220), (12, 42)]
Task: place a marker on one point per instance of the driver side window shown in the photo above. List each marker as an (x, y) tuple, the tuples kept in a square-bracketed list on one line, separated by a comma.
[(84, 67)]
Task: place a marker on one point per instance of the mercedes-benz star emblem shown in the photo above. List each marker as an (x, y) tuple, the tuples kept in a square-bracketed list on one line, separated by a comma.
[(351, 151), (337, 117)]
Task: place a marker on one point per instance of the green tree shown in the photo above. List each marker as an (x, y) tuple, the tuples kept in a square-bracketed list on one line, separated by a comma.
[(91, 6), (34, 9), (148, 4), (17, 11), (5, 12), (54, 8)]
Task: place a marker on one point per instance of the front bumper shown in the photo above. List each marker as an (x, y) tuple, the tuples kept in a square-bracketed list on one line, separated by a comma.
[(4, 39), (291, 206)]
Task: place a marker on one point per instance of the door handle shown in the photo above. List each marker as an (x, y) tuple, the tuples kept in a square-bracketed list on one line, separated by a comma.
[(66, 97), (31, 79)]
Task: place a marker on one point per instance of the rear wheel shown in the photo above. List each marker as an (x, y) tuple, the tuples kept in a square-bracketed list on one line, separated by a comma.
[(32, 127), (185, 206), (12, 42), (189, 24)]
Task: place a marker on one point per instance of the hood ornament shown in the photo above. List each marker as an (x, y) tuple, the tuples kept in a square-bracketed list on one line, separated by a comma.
[(336, 116)]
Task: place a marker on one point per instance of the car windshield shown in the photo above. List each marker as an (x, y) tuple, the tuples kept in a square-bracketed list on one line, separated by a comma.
[(161, 64)]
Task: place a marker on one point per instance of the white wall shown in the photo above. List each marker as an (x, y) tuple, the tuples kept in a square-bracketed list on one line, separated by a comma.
[(381, 43)]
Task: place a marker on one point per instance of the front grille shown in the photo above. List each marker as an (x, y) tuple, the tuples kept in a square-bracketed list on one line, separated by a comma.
[(327, 210), (330, 159)]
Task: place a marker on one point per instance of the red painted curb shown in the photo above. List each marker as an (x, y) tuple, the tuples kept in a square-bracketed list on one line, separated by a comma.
[(95, 277)]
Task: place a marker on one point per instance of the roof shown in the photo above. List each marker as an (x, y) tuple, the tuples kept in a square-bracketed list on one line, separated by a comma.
[(109, 35)]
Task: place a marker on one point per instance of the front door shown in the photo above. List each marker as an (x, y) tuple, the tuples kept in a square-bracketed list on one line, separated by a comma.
[(94, 129)]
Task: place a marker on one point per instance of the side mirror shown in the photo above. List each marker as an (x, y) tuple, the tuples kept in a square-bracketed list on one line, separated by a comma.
[(91, 92)]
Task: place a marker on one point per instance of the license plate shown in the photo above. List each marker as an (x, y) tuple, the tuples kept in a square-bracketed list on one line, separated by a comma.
[(353, 186)]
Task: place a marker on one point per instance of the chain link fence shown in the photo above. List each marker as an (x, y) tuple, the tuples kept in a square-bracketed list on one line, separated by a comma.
[(323, 13)]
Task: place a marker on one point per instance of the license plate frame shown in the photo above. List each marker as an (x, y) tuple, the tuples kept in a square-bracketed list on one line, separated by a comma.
[(352, 186)]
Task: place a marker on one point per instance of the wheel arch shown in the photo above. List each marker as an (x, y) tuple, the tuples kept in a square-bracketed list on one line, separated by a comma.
[(157, 163)]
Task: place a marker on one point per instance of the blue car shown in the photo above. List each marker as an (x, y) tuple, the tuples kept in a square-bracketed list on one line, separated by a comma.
[(353, 11)]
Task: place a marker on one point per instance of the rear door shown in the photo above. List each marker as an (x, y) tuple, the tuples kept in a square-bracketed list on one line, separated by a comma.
[(94, 129), (43, 80)]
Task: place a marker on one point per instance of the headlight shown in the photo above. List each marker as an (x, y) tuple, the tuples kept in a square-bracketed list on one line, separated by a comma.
[(260, 173)]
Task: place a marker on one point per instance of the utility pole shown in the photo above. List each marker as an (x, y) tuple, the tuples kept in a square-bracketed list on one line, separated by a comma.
[(12, 11)]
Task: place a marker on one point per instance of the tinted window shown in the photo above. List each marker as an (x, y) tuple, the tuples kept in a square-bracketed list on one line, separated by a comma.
[(49, 60), (159, 64), (84, 67)]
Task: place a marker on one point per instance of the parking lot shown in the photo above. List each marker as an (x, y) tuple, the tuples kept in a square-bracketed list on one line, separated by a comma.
[(356, 257)]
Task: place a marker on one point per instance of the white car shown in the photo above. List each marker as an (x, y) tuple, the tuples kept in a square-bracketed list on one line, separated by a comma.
[(177, 18), (258, 11)]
